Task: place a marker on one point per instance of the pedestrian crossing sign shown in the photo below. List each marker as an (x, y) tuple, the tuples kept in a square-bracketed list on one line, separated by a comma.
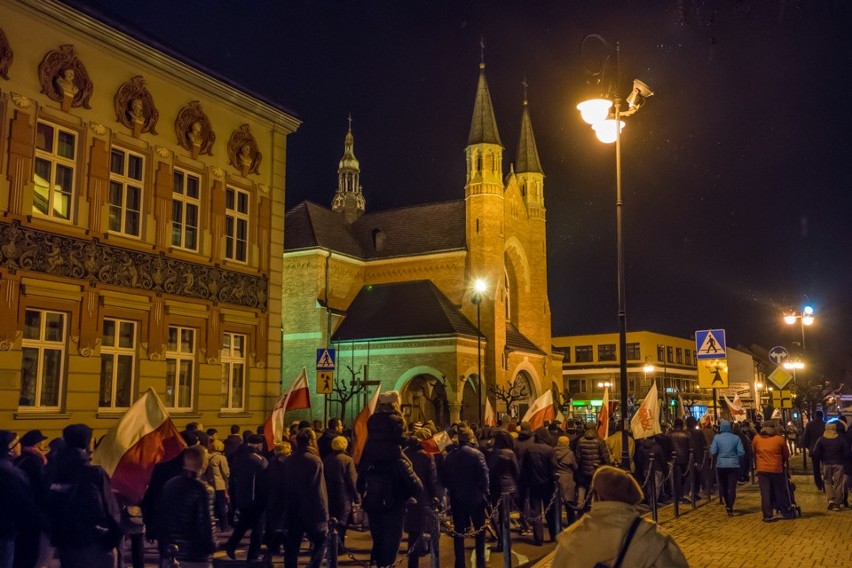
[(710, 344), (713, 374), (325, 360)]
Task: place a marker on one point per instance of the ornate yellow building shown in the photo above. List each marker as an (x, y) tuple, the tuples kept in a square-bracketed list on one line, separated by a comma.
[(392, 290), (141, 229)]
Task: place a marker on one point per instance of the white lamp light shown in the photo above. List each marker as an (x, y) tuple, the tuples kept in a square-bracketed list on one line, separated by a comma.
[(606, 130), (594, 110)]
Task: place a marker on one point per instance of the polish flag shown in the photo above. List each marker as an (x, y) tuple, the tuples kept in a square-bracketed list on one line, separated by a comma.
[(359, 427), (490, 419), (681, 409), (437, 443), (738, 413), (646, 421), (143, 437), (603, 416), (540, 410), (296, 397)]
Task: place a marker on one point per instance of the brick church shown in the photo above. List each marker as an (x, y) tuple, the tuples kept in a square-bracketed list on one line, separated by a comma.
[(394, 295)]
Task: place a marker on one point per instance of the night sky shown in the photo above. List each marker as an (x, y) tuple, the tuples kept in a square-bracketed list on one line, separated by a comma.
[(737, 180)]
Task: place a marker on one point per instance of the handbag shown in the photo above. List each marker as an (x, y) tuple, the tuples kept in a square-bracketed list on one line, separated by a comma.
[(624, 546)]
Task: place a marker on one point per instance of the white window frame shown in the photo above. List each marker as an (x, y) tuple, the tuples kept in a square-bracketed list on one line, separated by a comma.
[(233, 219), (178, 356), (42, 345), (230, 359), (52, 156), (126, 182), (115, 351), (186, 202)]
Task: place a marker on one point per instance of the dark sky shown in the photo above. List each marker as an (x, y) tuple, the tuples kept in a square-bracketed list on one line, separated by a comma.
[(737, 180)]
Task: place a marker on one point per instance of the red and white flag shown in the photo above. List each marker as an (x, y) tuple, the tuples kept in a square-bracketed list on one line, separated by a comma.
[(540, 410), (603, 416), (437, 443), (297, 396), (490, 418), (359, 427), (143, 437), (646, 422), (738, 413)]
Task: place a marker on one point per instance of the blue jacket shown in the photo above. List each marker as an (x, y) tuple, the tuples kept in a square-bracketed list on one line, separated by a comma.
[(727, 447)]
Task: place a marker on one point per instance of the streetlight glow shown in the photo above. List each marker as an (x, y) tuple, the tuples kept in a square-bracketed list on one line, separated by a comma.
[(594, 111), (606, 130), (790, 319), (648, 368), (479, 286)]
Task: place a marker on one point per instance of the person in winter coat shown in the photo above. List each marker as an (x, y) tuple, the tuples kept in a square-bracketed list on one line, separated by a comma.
[(597, 538), (186, 506), (682, 444), (748, 457), (813, 432), (832, 450), (340, 483), (33, 462), (645, 448), (771, 453), (249, 497), (700, 460), (465, 475), (591, 453), (566, 468), (217, 475), (538, 474), (613, 444), (503, 474), (727, 448), (522, 443), (335, 429), (18, 509), (419, 515), (307, 501)]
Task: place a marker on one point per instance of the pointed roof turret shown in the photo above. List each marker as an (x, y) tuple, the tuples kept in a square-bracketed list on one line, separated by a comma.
[(349, 198), (528, 161), (483, 126)]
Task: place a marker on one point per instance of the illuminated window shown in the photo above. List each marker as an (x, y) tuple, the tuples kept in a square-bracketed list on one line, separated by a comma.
[(118, 358), (180, 368), (233, 371), (236, 224), (125, 192), (55, 164), (186, 203), (42, 359), (606, 352)]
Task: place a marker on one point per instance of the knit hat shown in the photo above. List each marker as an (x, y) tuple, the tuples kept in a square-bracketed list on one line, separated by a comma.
[(830, 431), (32, 438), (769, 428), (339, 443), (388, 402), (77, 436), (255, 439), (613, 484)]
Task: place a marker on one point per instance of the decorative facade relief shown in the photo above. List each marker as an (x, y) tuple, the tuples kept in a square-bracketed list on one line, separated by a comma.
[(64, 79), (6, 55), (21, 102), (134, 107), (194, 131), (243, 151), (98, 129), (28, 249)]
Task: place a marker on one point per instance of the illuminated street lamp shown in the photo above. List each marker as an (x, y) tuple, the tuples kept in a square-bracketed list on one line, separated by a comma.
[(479, 288), (604, 113), (805, 317)]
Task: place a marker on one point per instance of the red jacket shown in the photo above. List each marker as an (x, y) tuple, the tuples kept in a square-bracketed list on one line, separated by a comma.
[(771, 453)]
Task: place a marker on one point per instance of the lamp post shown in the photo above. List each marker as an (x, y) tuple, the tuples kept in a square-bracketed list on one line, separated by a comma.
[(479, 288), (607, 127), (648, 368), (805, 318)]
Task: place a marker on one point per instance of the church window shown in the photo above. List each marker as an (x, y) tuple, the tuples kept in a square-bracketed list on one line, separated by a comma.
[(507, 296)]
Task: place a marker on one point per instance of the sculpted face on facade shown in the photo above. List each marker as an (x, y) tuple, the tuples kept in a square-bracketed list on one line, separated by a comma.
[(193, 130), (64, 78), (134, 107)]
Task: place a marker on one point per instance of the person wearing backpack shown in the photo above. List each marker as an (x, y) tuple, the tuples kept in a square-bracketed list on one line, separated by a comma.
[(613, 533), (83, 513)]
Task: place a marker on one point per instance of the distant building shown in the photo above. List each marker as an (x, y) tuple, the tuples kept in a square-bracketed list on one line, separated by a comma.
[(392, 290), (141, 230)]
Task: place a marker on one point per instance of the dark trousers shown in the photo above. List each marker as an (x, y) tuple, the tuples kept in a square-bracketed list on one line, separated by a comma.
[(540, 496), (251, 518), (773, 493), (462, 518), (816, 464), (386, 530), (342, 515), (220, 507), (502, 515), (293, 542), (728, 484), (420, 521), (679, 471)]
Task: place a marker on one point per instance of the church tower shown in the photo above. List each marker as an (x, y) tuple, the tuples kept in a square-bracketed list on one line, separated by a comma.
[(349, 198), (528, 169)]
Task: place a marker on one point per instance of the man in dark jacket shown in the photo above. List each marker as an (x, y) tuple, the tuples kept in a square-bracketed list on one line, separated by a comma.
[(419, 516), (813, 432), (645, 448), (249, 497), (832, 450), (591, 453), (307, 501), (17, 505), (503, 473), (538, 474), (32, 462), (681, 445), (700, 466), (522, 443), (335, 429), (340, 482), (186, 508), (232, 443), (465, 475)]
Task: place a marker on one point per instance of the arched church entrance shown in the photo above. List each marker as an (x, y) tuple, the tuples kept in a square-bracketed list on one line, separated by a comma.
[(470, 395), (523, 386), (424, 398)]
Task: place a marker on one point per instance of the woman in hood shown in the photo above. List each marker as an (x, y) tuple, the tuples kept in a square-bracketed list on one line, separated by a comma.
[(727, 448)]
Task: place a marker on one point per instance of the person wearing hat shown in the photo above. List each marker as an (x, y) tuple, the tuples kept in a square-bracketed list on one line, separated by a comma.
[(249, 497), (33, 462), (728, 451), (419, 517), (522, 443), (340, 481), (613, 528), (17, 506), (770, 452), (832, 450)]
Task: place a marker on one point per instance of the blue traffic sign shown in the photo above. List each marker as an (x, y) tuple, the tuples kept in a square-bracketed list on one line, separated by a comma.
[(777, 354), (710, 344), (325, 360)]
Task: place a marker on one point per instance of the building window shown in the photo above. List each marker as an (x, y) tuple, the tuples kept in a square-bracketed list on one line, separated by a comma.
[(233, 371), (679, 355), (180, 368), (55, 163), (688, 357), (185, 206), (633, 353), (669, 354), (42, 359), (576, 386), (584, 354), (236, 224), (660, 353), (125, 192), (118, 358), (507, 296), (606, 352)]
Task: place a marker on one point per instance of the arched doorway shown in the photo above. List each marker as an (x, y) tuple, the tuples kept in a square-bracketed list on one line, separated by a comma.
[(425, 398), (470, 394), (523, 384)]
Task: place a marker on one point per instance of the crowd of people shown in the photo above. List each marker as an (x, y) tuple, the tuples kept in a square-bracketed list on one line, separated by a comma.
[(55, 503)]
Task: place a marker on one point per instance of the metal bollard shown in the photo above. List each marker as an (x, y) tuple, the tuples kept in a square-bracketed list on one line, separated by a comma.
[(557, 512), (652, 477), (506, 533), (332, 540)]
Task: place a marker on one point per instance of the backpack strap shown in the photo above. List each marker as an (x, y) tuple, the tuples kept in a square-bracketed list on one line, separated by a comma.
[(627, 540)]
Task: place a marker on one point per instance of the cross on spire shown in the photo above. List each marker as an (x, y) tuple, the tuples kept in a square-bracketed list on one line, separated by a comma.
[(350, 122), (482, 50), (525, 84)]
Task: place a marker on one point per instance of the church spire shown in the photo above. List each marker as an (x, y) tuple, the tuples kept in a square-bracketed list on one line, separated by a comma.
[(349, 198), (528, 161), (483, 126)]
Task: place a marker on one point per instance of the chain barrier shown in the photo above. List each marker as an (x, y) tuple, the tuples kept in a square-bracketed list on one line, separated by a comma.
[(450, 529), (543, 516)]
